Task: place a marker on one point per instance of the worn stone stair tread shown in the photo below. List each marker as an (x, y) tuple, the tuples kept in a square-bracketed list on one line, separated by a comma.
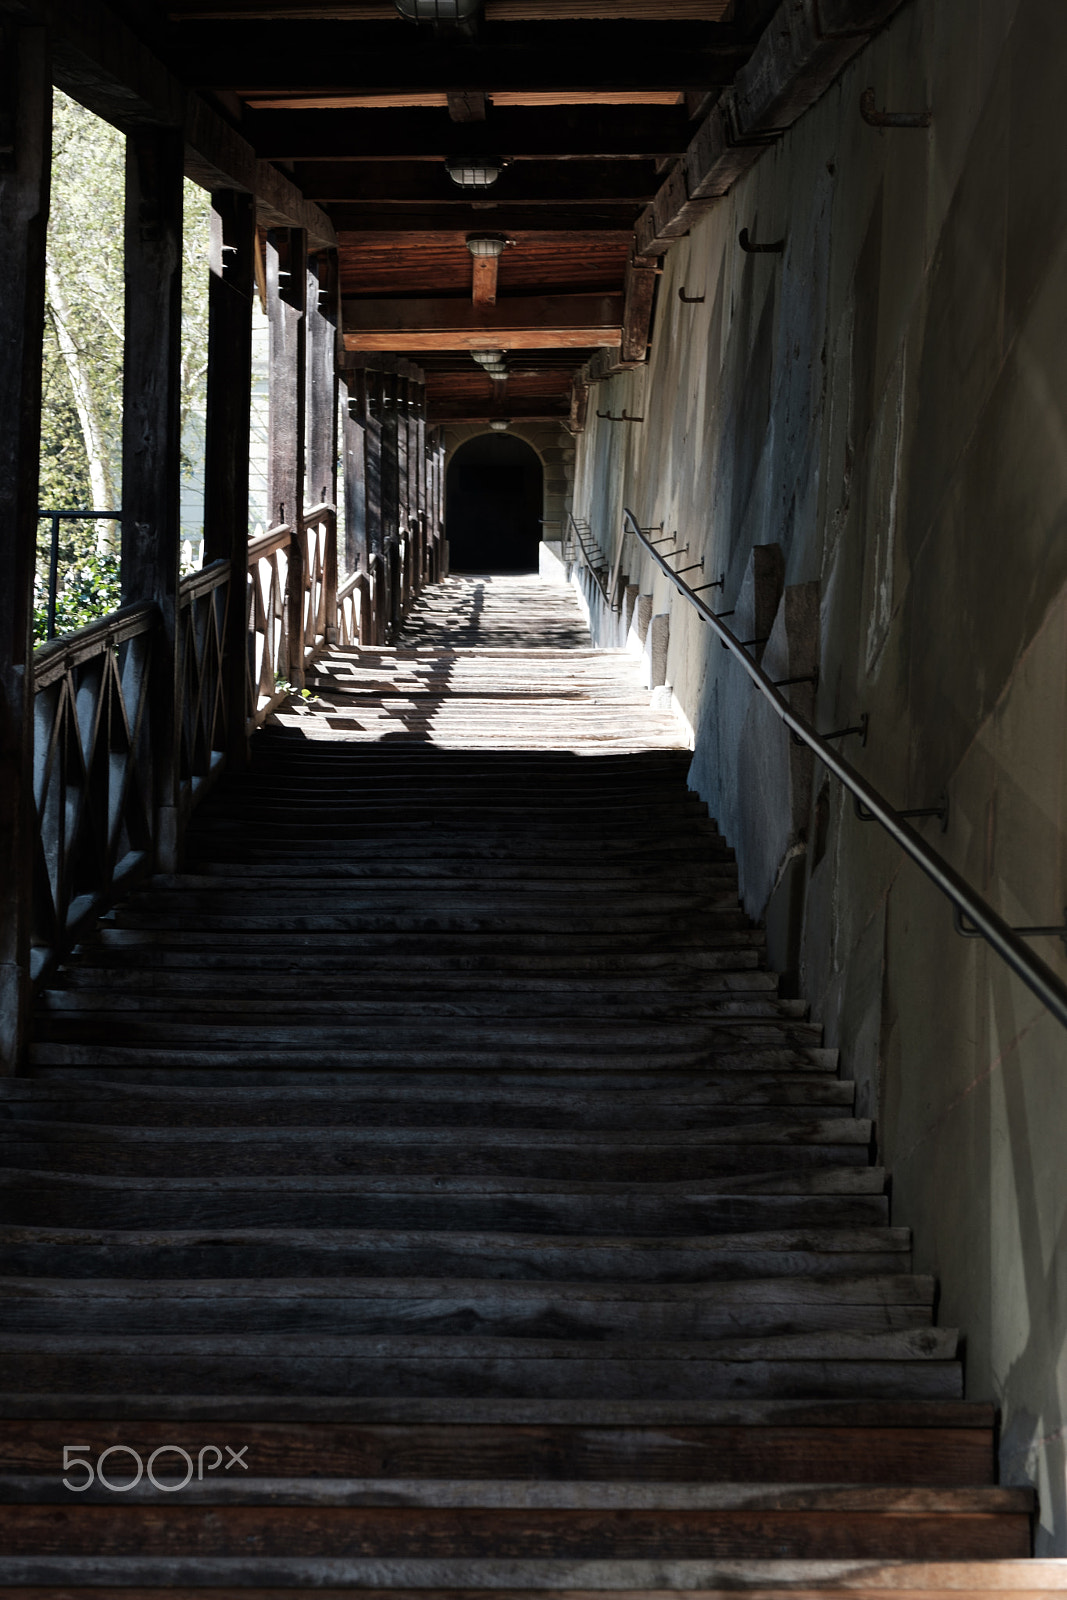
[(760, 1057)]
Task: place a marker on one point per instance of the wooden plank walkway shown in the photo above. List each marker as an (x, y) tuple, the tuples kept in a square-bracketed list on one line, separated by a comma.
[(437, 1145)]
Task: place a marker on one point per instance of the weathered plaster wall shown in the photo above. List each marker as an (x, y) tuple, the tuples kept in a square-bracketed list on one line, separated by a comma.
[(887, 403)]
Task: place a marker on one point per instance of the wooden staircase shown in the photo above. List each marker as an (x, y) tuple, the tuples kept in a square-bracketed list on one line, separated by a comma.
[(436, 1152)]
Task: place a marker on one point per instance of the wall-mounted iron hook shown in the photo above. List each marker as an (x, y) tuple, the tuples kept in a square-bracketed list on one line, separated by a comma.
[(691, 299), (891, 119), (751, 249), (940, 810), (696, 565), (803, 677), (717, 583), (969, 931), (627, 418), (861, 727), (608, 416)]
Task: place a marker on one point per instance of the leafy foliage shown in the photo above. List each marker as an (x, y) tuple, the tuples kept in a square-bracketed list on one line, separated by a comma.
[(81, 426)]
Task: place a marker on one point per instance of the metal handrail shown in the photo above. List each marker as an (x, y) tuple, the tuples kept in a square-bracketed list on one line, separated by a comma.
[(593, 573), (1029, 968), (55, 517)]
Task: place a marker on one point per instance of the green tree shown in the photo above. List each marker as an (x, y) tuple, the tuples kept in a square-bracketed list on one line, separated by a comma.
[(81, 427)]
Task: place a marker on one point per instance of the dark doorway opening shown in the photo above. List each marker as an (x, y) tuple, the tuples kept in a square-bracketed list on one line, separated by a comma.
[(493, 506)]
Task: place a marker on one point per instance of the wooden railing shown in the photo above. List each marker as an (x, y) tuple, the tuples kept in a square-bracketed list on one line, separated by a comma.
[(204, 599), (268, 631), (93, 770), (105, 773)]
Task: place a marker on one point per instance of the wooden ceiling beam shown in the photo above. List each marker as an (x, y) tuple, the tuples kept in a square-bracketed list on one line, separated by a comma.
[(546, 183), (578, 219), (382, 56), (797, 57), (539, 322), (569, 133), (495, 10), (99, 62)]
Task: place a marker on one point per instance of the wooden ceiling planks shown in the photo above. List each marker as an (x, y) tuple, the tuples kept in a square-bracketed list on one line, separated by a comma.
[(495, 11), (432, 263), (548, 183)]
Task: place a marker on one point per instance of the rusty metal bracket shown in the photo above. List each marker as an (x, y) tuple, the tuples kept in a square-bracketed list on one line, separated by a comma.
[(691, 299), (891, 119), (751, 249), (861, 727), (959, 922), (719, 583), (940, 810)]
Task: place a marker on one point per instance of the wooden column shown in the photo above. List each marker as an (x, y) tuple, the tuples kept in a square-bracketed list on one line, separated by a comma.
[(229, 394), (286, 273), (24, 177), (353, 392), (323, 307), (151, 437), (390, 456), (372, 458)]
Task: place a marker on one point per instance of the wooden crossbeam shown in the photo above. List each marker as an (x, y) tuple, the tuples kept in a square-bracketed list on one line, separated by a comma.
[(495, 10), (355, 220), (99, 62), (518, 132), (543, 183), (540, 322), (306, 56)]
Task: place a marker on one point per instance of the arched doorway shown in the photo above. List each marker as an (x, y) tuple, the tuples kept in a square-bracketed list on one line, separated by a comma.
[(493, 507)]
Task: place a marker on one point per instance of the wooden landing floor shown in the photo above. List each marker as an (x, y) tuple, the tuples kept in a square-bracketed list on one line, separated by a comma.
[(487, 663)]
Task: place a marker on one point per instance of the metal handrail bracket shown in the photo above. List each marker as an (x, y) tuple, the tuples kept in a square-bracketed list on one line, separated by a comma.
[(986, 923)]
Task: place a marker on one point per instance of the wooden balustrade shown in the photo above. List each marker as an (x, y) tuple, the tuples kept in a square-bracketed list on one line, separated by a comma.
[(93, 782), (97, 774), (203, 604)]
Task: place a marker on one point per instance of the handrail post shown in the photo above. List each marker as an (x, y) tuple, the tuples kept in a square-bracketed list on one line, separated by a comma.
[(24, 192), (151, 439), (229, 394)]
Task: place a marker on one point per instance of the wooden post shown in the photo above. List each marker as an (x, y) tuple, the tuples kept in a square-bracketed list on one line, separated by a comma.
[(286, 272), (229, 395), (390, 456), (372, 458), (352, 451), (322, 316), (24, 180), (151, 438)]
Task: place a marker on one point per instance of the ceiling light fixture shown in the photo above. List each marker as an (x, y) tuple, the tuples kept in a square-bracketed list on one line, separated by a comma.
[(499, 427), (437, 10), (474, 172), (488, 358), (487, 246)]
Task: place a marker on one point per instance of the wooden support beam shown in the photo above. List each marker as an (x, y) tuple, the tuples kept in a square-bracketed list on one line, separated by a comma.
[(526, 183), (151, 438), (229, 394), (579, 409), (353, 558), (531, 323), (322, 316), (639, 293), (103, 65), (505, 410), (485, 272), (24, 185), (805, 46), (606, 217), (516, 56), (467, 105), (286, 262), (520, 132), (495, 10)]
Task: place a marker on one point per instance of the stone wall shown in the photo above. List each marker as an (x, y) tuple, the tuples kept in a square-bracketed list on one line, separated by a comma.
[(885, 403), (553, 444)]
